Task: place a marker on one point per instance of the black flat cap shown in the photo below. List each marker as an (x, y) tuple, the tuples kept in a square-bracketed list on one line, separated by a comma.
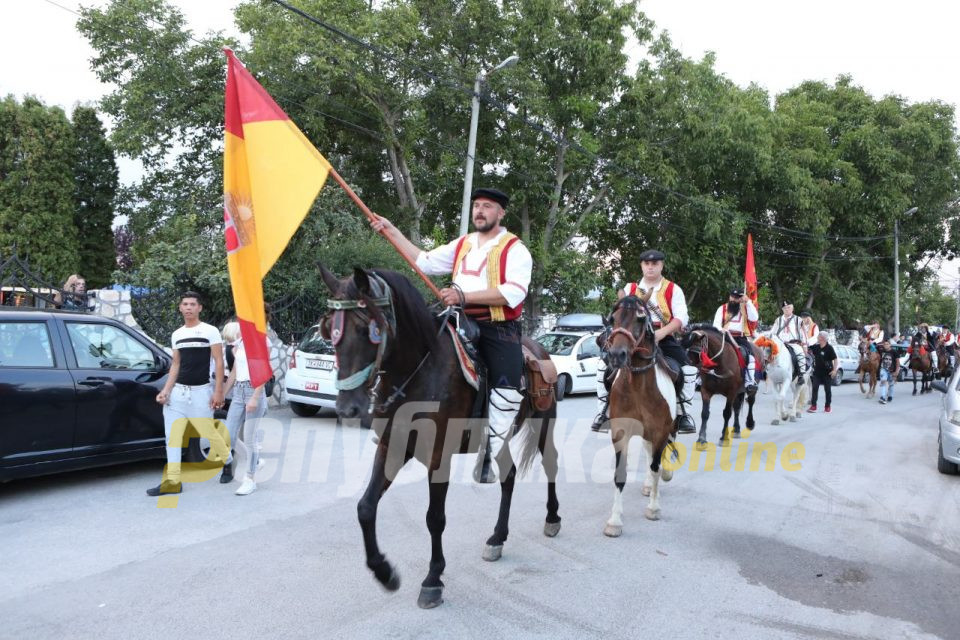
[(804, 314), (785, 303), (652, 255), (736, 291), (496, 195)]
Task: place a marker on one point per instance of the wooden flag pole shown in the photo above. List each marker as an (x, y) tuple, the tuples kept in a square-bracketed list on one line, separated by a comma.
[(366, 211)]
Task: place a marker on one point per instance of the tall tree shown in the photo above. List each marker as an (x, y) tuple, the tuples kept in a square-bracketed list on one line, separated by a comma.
[(37, 186), (96, 176)]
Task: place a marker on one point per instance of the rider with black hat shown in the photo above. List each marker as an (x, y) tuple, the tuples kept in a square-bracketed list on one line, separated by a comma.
[(668, 306), (489, 255), (739, 318)]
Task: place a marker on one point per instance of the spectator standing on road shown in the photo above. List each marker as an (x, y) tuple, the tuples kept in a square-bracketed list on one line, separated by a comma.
[(889, 371), (248, 405), (188, 395), (824, 369)]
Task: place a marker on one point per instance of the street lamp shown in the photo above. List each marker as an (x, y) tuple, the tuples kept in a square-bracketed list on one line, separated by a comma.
[(472, 140), (896, 268)]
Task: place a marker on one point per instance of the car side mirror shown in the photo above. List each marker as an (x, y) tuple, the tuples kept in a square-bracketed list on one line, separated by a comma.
[(939, 386)]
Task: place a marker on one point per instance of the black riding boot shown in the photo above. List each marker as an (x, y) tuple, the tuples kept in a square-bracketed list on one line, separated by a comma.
[(601, 422), (483, 471), (684, 422)]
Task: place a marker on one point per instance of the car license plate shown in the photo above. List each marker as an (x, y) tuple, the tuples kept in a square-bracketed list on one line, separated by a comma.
[(326, 365), (312, 386)]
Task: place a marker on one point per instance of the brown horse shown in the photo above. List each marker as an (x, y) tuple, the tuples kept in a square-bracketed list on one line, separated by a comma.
[(390, 347), (920, 361), (643, 402), (943, 360), (714, 354), (869, 365)]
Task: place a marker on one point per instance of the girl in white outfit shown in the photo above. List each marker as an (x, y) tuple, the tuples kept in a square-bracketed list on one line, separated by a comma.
[(246, 408)]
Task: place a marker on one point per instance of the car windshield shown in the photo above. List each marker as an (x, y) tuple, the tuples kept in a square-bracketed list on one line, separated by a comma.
[(313, 342), (558, 344)]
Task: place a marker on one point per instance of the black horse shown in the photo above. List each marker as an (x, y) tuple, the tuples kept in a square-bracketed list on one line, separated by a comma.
[(398, 367)]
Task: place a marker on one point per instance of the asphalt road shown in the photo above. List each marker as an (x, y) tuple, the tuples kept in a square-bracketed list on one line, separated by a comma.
[(860, 542)]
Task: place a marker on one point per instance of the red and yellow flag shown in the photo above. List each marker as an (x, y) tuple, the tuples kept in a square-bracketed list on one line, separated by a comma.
[(750, 280), (271, 176)]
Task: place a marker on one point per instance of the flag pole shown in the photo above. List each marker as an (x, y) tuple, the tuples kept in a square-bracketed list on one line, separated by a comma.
[(366, 211)]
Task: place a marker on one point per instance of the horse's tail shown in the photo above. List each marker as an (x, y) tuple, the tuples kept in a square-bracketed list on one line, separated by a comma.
[(535, 429)]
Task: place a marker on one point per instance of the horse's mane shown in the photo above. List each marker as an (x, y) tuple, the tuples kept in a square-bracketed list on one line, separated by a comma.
[(706, 326), (414, 319)]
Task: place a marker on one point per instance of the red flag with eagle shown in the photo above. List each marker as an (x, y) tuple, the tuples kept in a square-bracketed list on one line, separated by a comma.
[(750, 281), (271, 176)]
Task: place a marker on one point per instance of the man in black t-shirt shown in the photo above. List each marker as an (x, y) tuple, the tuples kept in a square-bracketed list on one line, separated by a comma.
[(824, 369), (889, 370)]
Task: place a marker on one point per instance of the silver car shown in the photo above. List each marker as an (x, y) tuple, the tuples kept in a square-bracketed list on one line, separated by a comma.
[(948, 441)]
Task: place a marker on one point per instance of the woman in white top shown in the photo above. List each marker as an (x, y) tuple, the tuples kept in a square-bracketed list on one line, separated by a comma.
[(247, 406)]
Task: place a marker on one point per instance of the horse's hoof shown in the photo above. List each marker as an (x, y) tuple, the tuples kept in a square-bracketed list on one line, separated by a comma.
[(774, 422), (701, 446), (914, 393), (666, 474), (651, 514), (430, 597), (793, 418), (613, 530), (736, 435), (725, 442), (393, 582), (492, 552), (551, 529), (645, 490)]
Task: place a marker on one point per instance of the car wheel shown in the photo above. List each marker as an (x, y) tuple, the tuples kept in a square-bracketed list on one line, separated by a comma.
[(837, 379), (563, 386), (944, 465), (304, 410)]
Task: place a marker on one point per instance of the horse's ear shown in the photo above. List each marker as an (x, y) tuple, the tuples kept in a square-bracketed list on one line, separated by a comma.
[(329, 279), (646, 296), (362, 280)]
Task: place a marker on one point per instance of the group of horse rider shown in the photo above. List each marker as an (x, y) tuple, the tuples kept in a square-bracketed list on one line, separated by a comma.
[(491, 270)]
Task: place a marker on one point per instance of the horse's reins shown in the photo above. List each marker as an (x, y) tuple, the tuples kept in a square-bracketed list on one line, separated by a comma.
[(705, 348)]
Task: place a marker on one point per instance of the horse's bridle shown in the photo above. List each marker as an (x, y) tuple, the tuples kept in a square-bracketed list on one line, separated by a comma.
[(636, 342), (705, 349), (366, 375)]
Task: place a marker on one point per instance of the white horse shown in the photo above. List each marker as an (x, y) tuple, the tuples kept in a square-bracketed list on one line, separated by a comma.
[(790, 391)]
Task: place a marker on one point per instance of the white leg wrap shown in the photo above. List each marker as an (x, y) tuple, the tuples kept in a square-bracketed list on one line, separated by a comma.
[(504, 407), (689, 382), (751, 370), (601, 388)]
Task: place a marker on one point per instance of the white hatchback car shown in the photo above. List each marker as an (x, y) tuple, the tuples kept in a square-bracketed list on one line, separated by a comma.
[(576, 355), (311, 379)]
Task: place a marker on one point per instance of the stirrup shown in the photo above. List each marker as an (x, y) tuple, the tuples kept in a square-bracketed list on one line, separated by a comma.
[(601, 423)]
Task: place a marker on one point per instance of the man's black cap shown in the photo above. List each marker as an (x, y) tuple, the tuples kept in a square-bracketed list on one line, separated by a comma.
[(652, 255), (785, 303), (496, 195), (736, 291)]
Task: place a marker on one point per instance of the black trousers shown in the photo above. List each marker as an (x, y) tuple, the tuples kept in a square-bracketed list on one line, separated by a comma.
[(817, 380), (500, 351), (671, 348)]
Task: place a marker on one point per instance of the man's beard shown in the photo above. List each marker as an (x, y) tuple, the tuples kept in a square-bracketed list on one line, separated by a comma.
[(733, 307), (484, 226)]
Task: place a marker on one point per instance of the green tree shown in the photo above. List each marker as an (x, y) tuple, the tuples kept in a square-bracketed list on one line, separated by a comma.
[(37, 186), (96, 178)]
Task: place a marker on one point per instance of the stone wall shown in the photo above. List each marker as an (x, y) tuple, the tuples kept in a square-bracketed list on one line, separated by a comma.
[(116, 304)]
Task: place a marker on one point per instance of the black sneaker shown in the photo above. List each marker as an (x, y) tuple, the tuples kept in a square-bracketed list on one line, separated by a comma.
[(600, 424), (889, 398), (227, 475), (165, 488)]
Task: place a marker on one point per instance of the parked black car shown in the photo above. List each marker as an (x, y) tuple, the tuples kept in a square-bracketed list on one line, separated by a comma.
[(76, 391)]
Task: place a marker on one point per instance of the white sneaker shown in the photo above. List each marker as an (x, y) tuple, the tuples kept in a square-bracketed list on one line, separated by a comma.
[(248, 487)]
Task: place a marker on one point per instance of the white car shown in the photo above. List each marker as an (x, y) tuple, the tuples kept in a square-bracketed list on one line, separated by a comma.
[(849, 360), (311, 379), (576, 355), (948, 440)]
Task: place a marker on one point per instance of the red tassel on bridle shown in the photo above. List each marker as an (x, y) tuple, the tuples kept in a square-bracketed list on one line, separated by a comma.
[(706, 362)]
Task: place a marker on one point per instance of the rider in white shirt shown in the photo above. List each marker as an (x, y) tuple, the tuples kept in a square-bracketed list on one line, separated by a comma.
[(729, 318)]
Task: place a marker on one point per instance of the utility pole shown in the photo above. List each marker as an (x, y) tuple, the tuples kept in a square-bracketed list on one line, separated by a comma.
[(956, 319)]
